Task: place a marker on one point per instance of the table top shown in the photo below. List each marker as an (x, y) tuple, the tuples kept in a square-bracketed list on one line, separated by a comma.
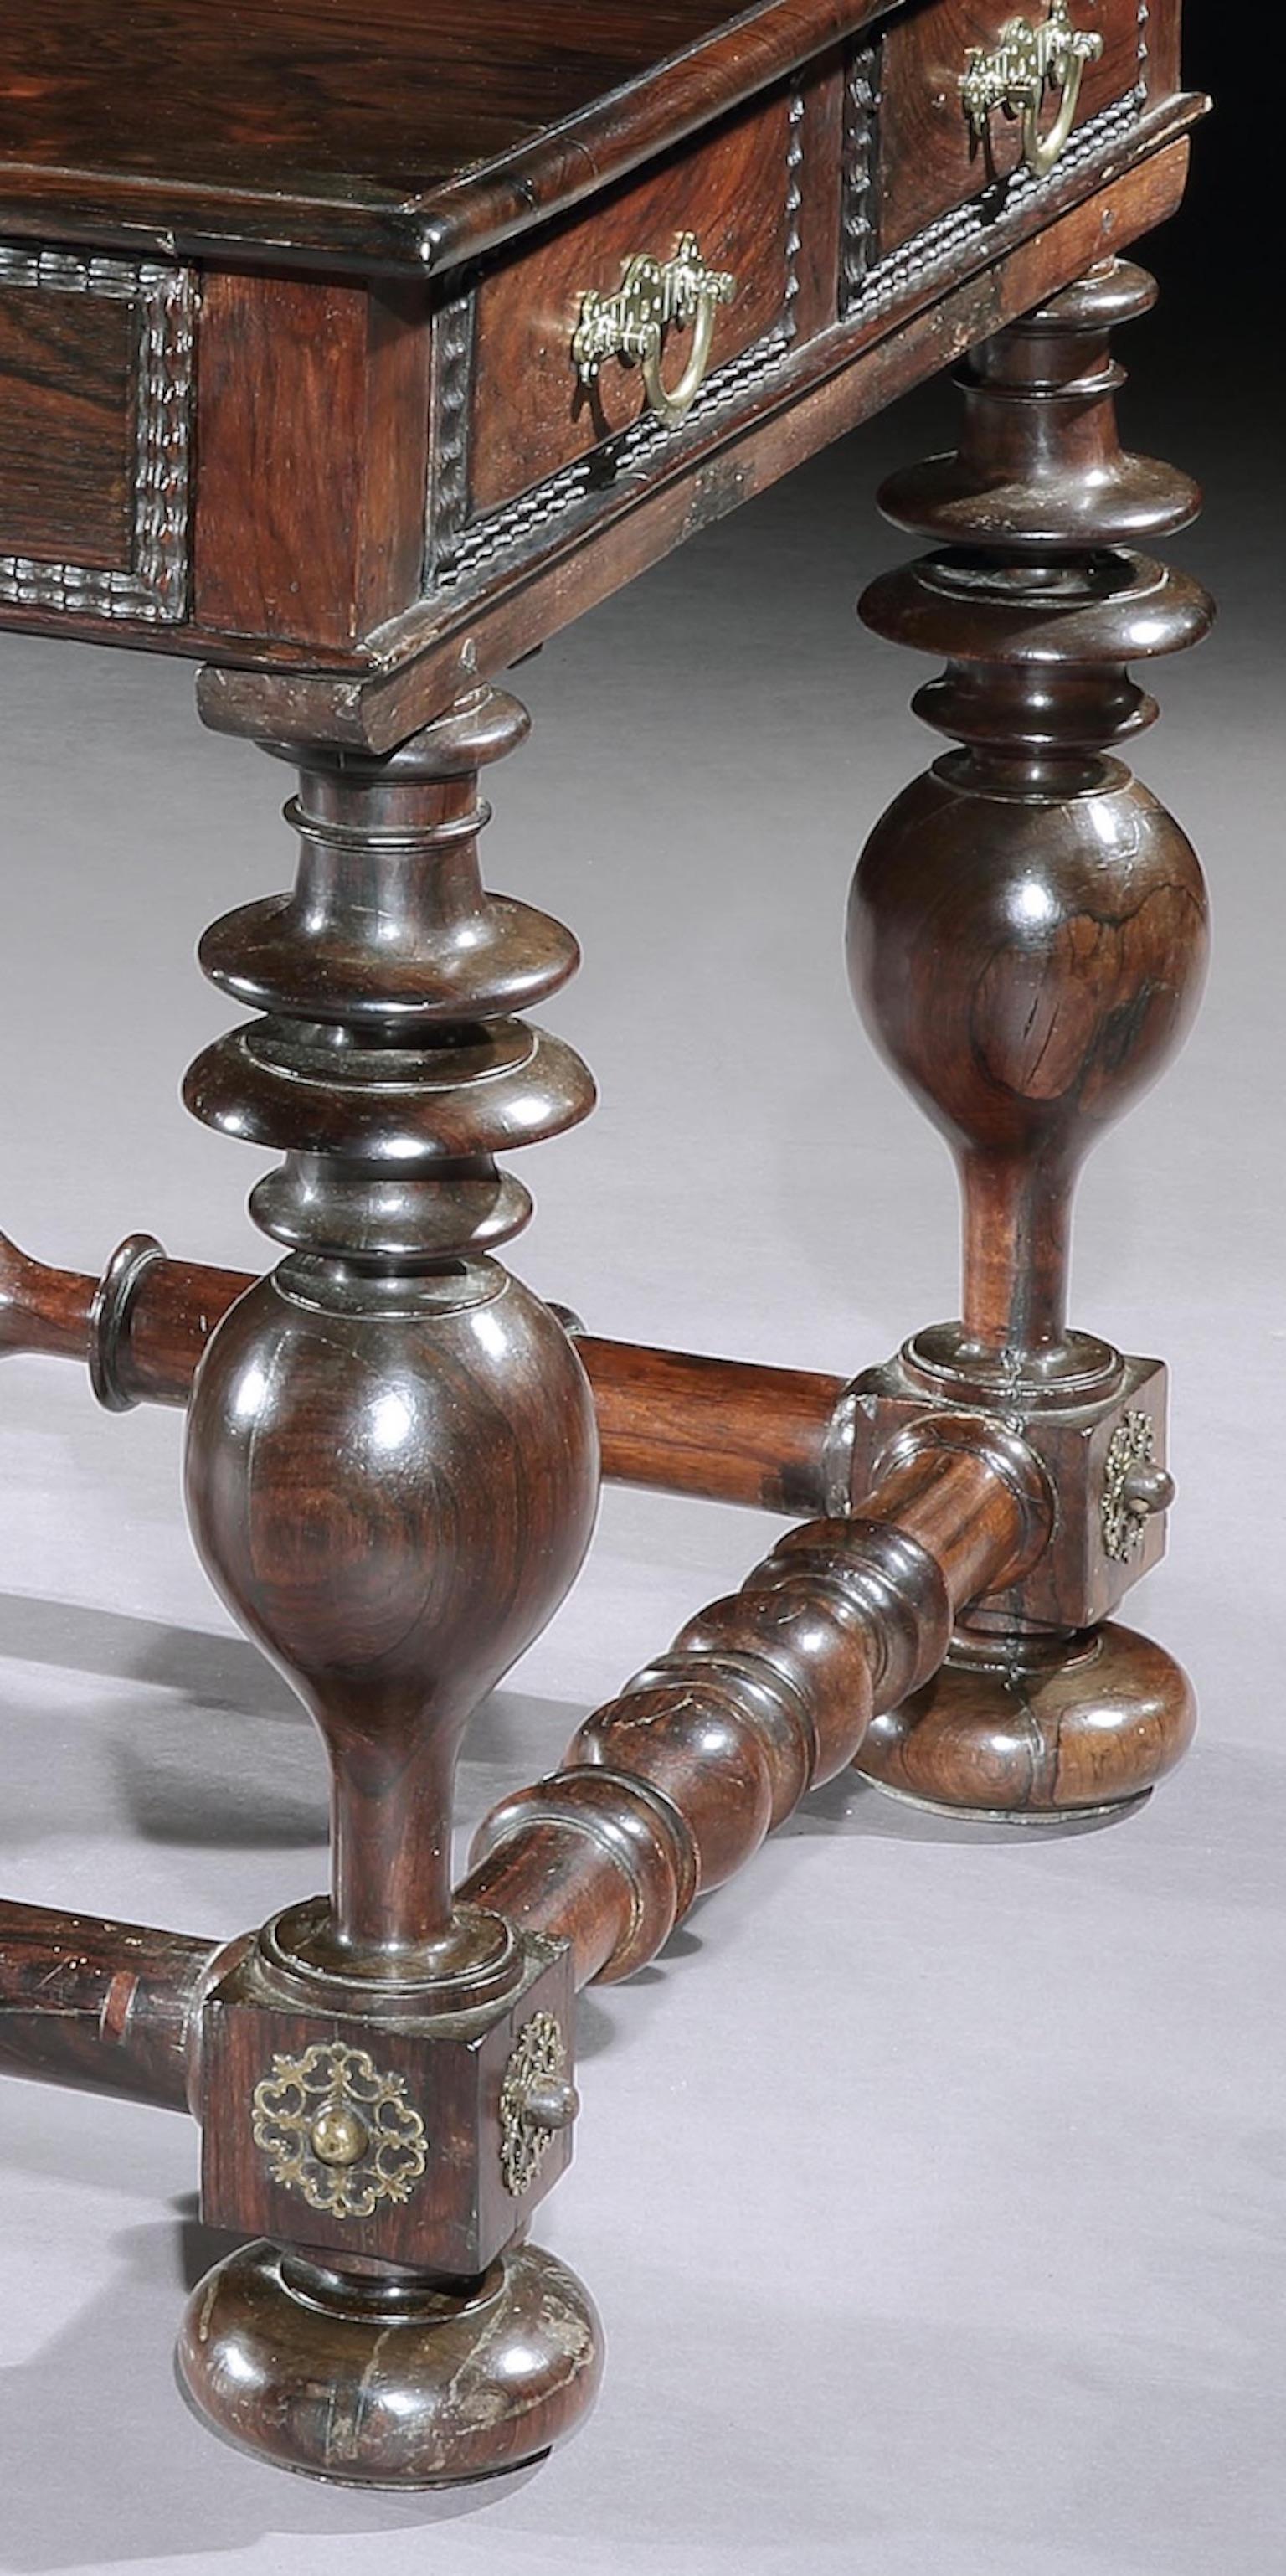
[(386, 132)]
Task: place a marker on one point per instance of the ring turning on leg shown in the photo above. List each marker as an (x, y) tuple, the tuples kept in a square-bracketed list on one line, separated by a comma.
[(1027, 942), (392, 1472)]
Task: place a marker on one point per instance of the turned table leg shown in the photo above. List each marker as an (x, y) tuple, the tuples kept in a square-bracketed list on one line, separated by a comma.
[(392, 1472), (1027, 941)]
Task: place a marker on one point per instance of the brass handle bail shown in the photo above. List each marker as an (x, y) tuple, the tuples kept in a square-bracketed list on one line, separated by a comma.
[(1027, 61), (631, 323)]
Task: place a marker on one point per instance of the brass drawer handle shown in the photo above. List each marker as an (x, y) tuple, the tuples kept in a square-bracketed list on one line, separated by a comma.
[(1025, 63), (629, 324)]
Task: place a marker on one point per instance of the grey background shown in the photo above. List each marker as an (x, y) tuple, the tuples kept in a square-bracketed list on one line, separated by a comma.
[(933, 2186)]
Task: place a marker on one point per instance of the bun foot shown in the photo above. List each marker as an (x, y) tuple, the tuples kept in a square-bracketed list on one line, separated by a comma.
[(1085, 1732), (390, 2381)]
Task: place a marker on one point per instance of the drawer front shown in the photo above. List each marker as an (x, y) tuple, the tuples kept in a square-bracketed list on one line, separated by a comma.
[(519, 424), (95, 384), (934, 156)]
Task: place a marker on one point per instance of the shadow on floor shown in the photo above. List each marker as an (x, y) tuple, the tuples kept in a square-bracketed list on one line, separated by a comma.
[(90, 2482)]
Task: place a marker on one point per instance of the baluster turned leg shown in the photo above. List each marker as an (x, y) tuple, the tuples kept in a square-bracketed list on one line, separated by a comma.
[(392, 1473), (1027, 944)]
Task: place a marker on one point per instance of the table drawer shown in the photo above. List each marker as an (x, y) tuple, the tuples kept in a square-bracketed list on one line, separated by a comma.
[(95, 366), (756, 201), (1078, 58)]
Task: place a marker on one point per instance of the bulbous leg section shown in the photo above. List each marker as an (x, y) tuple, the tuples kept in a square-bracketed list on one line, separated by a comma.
[(396, 2383), (393, 1505), (1084, 1731), (1027, 944), (392, 1472)]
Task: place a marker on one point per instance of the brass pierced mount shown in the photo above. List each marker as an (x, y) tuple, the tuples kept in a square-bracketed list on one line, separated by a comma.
[(652, 294), (338, 2130), (536, 2100), (1134, 1487), (1015, 75)]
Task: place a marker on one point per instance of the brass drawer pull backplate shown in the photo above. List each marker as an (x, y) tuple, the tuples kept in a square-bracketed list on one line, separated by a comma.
[(629, 324), (1027, 61)]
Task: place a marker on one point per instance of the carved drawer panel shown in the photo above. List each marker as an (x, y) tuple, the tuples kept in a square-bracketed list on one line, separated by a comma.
[(95, 383), (525, 416), (956, 141)]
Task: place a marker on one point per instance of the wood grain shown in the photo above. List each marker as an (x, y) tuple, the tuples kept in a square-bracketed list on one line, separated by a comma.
[(730, 1430), (928, 160), (396, 1594), (530, 413), (380, 135), (108, 2007), (391, 2381), (842, 1618), (309, 546), (1027, 931), (313, 444), (391, 1478), (66, 426), (672, 1787), (449, 2063), (841, 379), (1027, 944), (1086, 1726)]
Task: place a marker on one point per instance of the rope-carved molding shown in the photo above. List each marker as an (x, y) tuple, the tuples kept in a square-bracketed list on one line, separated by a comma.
[(153, 587)]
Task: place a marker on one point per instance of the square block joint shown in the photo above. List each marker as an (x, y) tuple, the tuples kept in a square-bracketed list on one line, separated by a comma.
[(1094, 1555), (384, 2133)]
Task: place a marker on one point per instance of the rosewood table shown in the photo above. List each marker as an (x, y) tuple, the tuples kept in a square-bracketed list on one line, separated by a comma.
[(352, 352)]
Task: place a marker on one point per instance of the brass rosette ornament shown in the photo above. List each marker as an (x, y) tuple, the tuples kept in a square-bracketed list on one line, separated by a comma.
[(338, 2131), (536, 2100)]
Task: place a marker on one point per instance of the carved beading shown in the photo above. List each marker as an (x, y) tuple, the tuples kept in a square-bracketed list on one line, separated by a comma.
[(872, 282), (1141, 60), (449, 446), (931, 251), (793, 209), (861, 116), (153, 589)]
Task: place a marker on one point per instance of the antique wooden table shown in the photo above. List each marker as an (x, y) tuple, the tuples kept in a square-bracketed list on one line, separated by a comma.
[(352, 352)]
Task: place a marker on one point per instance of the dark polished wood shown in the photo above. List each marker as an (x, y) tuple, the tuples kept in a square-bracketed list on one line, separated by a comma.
[(392, 1474), (287, 383), (1027, 938), (389, 1065), (312, 430), (366, 451), (1037, 1726), (375, 134), (108, 2007), (929, 160), (668, 1790), (698, 474), (671, 1788), (532, 413), (66, 454), (394, 2382), (732, 1431)]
